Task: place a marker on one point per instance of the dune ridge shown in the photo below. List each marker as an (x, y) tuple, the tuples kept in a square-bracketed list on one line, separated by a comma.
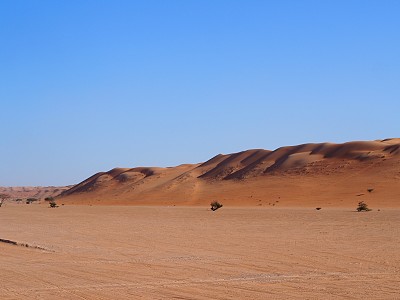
[(39, 192), (307, 174)]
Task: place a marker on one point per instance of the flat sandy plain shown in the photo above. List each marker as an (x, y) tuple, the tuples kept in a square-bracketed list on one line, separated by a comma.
[(138, 252)]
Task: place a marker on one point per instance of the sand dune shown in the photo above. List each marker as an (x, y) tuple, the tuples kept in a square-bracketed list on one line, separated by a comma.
[(276, 247), (304, 175), (38, 192)]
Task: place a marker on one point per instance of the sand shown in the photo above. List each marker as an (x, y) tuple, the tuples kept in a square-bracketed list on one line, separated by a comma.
[(308, 175), (37, 192), (139, 252), (148, 232)]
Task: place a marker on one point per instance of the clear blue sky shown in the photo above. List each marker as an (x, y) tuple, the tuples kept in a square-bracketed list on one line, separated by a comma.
[(86, 86)]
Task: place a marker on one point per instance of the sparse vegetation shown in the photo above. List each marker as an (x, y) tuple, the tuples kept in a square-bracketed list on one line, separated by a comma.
[(49, 199), (318, 208), (53, 204), (370, 190), (362, 206), (30, 200), (215, 205)]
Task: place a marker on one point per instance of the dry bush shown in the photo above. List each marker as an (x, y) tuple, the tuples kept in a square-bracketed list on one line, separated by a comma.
[(215, 205)]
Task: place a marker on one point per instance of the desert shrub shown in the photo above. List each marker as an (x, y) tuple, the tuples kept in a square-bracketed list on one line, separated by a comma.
[(215, 205), (49, 199), (362, 206), (370, 190), (30, 200), (53, 204)]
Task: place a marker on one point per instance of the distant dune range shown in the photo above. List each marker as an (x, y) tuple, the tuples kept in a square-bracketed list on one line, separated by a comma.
[(319, 175), (38, 192)]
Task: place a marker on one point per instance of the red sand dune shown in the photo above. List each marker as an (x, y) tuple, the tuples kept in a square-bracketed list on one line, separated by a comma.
[(324, 174)]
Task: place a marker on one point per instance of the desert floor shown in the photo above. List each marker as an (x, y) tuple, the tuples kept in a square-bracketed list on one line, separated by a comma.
[(117, 252)]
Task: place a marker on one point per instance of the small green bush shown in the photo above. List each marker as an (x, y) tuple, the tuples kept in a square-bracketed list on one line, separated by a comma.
[(53, 204), (215, 205), (362, 206)]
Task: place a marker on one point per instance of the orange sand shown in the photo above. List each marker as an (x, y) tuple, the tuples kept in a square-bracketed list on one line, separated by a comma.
[(309, 175), (130, 252)]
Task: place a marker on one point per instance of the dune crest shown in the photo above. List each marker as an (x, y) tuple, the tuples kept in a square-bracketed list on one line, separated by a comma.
[(305, 174)]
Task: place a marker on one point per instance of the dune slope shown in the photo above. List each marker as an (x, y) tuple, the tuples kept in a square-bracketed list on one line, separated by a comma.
[(324, 174), (38, 192)]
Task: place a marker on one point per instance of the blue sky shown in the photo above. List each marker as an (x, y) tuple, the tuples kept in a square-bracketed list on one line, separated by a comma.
[(86, 86)]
